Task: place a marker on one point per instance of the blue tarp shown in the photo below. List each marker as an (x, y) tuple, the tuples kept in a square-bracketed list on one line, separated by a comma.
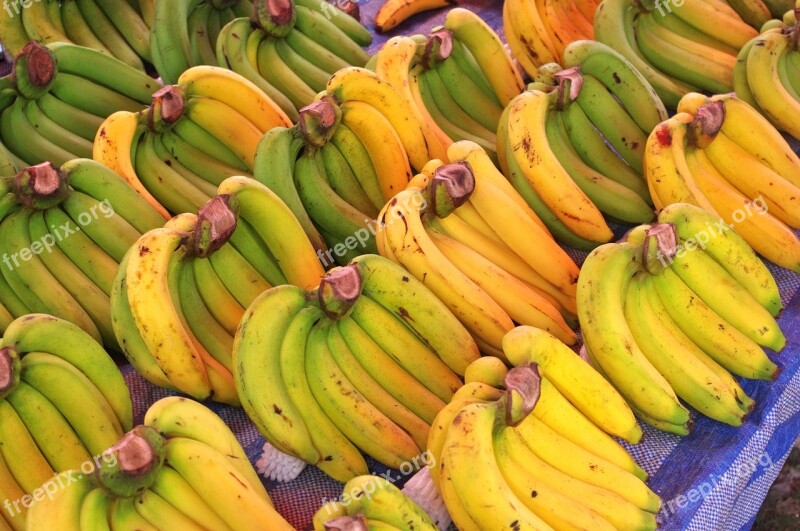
[(713, 480)]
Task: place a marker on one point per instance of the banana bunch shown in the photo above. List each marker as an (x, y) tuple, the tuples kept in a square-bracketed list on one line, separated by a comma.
[(678, 47), (182, 290), (56, 97), (64, 401), (538, 31), (181, 469), (767, 73), (184, 33), (116, 28), (574, 151), (371, 502), (63, 232), (720, 154), (193, 136), (290, 48), (457, 81), (394, 12), (463, 231), (335, 169), (495, 461), (758, 12), (672, 311), (361, 363)]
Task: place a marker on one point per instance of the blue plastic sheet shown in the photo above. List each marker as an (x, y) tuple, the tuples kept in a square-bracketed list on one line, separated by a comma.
[(714, 479)]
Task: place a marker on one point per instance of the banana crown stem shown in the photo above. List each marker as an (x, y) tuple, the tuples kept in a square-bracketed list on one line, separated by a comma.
[(319, 120), (339, 290), (275, 17), (166, 108), (523, 386), (438, 48), (216, 222), (660, 246), (357, 522), (34, 70), (130, 466), (41, 186), (706, 123), (9, 370), (451, 186), (570, 82)]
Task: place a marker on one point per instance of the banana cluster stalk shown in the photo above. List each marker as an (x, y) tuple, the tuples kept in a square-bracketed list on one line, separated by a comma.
[(62, 235), (182, 290), (181, 469), (64, 401), (572, 144), (57, 96), (457, 81), (767, 73), (185, 32), (678, 47), (538, 31), (290, 48), (496, 459), (371, 502), (193, 136), (361, 363), (672, 311), (464, 232), (720, 154), (335, 169), (115, 28)]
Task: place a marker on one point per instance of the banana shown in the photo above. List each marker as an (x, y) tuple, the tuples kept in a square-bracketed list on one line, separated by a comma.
[(526, 128), (728, 29), (610, 197), (315, 53), (358, 84), (15, 36), (232, 53), (614, 26), (767, 235), (754, 12), (675, 356), (615, 72), (265, 212), (94, 510), (39, 26), (609, 338), (344, 182), (202, 49), (76, 397), (160, 513), (447, 338), (485, 46), (123, 515), (383, 503), (31, 280), (277, 72), (715, 336), (184, 418), (488, 370), (728, 249), (373, 391), (686, 60), (62, 510), (473, 474), (227, 124), (241, 280), (349, 25), (104, 29), (730, 300), (36, 148), (114, 147), (156, 315), (529, 39), (55, 133), (170, 39), (89, 295), (403, 346), (15, 517), (23, 458), (130, 24), (674, 24), (324, 31), (394, 12), (78, 30), (176, 491), (223, 306)]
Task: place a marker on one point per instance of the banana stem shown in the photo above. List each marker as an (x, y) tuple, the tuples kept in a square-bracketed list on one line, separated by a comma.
[(523, 386), (275, 17), (166, 108), (130, 466), (34, 70), (41, 186), (660, 246), (706, 123), (318, 121), (216, 222), (9, 370), (339, 291), (570, 78), (451, 186), (438, 48), (795, 36), (357, 522)]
